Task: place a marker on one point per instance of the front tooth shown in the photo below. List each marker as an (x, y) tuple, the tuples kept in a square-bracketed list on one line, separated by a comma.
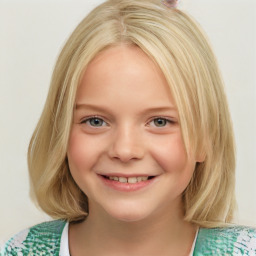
[(116, 178), (122, 179), (144, 178), (132, 180), (139, 179)]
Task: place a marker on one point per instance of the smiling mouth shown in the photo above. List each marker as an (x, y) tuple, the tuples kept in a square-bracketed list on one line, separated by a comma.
[(130, 180)]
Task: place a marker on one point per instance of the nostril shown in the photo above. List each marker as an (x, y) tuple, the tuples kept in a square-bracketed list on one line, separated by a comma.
[(126, 148)]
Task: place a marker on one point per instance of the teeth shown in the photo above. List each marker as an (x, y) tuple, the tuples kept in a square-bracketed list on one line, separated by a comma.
[(131, 180), (123, 180)]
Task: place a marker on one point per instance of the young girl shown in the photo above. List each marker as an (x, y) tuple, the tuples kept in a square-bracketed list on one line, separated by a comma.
[(134, 152)]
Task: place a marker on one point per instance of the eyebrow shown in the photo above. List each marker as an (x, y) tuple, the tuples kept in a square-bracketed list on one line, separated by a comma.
[(105, 108)]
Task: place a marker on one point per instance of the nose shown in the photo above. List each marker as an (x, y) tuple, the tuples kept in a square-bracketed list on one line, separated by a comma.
[(126, 145)]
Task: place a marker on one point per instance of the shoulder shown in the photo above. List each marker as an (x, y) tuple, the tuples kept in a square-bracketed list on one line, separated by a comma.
[(234, 240), (42, 239)]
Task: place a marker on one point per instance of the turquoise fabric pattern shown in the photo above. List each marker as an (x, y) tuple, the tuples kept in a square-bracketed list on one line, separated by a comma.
[(235, 240), (44, 239)]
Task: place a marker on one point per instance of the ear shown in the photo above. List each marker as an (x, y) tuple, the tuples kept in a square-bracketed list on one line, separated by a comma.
[(200, 156)]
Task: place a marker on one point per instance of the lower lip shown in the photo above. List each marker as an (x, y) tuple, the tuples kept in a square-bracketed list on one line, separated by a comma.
[(127, 187)]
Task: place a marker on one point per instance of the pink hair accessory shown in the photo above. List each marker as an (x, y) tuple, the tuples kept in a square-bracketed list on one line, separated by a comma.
[(171, 3)]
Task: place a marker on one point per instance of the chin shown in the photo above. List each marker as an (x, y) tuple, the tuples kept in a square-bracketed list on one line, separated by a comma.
[(129, 218), (128, 214)]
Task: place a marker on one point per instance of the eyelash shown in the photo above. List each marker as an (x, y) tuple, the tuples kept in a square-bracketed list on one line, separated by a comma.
[(166, 120)]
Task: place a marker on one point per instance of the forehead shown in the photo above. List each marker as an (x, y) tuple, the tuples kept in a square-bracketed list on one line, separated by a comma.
[(124, 70)]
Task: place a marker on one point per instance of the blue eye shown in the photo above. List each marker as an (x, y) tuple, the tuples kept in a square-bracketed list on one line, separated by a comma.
[(160, 122), (95, 122)]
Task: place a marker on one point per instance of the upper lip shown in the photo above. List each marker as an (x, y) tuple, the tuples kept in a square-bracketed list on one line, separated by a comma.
[(126, 175)]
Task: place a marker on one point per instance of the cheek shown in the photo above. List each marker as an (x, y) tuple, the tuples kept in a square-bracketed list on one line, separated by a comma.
[(81, 152), (170, 153), (75, 150), (82, 155)]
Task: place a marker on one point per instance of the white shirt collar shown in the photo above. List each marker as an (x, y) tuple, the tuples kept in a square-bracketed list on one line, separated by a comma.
[(64, 242)]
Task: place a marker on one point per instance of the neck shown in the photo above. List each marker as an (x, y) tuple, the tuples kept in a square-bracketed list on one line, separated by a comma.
[(167, 235)]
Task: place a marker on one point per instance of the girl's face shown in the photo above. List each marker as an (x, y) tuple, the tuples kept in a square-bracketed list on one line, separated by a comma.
[(126, 151)]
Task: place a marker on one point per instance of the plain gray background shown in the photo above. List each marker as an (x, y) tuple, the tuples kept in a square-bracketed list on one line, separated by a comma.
[(31, 36)]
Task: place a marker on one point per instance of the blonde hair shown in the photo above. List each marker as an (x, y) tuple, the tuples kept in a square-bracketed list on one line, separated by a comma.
[(179, 47)]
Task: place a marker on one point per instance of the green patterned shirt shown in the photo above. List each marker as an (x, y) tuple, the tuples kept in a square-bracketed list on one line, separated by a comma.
[(44, 239)]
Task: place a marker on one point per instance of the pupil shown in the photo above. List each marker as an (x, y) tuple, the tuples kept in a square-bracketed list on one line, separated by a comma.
[(95, 122), (160, 122)]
